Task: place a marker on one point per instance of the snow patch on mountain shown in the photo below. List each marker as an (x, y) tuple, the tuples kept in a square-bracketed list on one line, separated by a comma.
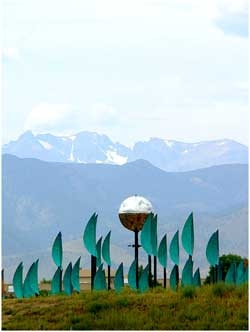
[(46, 145), (114, 157)]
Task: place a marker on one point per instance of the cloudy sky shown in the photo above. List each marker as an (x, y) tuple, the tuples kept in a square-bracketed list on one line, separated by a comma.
[(130, 69)]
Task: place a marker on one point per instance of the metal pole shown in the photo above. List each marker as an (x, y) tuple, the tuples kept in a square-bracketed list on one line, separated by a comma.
[(93, 270), (164, 277), (109, 278), (136, 258), (150, 271), (155, 271)]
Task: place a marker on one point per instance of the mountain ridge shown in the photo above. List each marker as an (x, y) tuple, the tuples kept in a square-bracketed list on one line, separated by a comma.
[(90, 147)]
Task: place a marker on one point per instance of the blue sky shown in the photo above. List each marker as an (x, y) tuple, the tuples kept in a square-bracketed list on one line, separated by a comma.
[(129, 69)]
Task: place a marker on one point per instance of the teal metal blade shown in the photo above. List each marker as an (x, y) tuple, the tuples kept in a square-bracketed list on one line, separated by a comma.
[(29, 279), (173, 278), (132, 275), (246, 275), (174, 248), (231, 274), (240, 272), (67, 285), (187, 273), (212, 249), (18, 281), (100, 279), (187, 236), (154, 235), (57, 250), (162, 251), (89, 236), (106, 249), (33, 277), (55, 283), (146, 242), (119, 278), (143, 281), (197, 278), (99, 252), (75, 276)]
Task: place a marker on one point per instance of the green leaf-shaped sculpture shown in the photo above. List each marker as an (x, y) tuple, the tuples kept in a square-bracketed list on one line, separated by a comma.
[(174, 248), (106, 249), (197, 278), (143, 281), (187, 273), (18, 281), (89, 236), (132, 275), (119, 278), (187, 236), (29, 281), (240, 273), (146, 241), (56, 281), (231, 274), (75, 276), (100, 279), (174, 278), (67, 285), (57, 250), (162, 251), (99, 252), (154, 235), (246, 275), (212, 250)]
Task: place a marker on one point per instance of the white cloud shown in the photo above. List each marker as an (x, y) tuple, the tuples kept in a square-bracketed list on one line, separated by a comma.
[(47, 116), (11, 53)]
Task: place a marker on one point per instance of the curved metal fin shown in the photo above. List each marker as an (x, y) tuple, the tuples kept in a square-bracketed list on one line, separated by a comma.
[(75, 276), (28, 291), (18, 281), (154, 235), (187, 236), (67, 285), (119, 278), (99, 252), (174, 278), (197, 278), (231, 274), (143, 281), (89, 236), (132, 275), (100, 279), (174, 248), (162, 251), (212, 249), (187, 273), (56, 281), (146, 242), (106, 249), (57, 250)]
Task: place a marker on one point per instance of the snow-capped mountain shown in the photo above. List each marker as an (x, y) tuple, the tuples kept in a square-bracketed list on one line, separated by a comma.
[(89, 147)]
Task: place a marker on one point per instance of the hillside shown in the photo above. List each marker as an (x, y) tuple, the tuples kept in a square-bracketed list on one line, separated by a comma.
[(40, 199)]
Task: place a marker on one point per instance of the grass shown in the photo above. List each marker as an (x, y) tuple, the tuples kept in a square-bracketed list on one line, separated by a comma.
[(218, 307)]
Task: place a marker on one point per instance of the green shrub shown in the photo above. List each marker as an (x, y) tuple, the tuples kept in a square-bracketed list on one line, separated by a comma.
[(188, 292)]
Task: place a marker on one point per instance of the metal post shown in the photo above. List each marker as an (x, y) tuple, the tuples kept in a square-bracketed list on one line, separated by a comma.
[(155, 271), (93, 270), (149, 271), (60, 279), (164, 277), (109, 278), (136, 258)]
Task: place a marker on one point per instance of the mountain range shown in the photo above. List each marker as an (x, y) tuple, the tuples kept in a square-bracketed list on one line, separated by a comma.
[(42, 198), (89, 147)]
